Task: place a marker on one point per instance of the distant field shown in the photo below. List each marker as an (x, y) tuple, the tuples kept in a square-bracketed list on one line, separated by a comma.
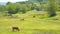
[(38, 25)]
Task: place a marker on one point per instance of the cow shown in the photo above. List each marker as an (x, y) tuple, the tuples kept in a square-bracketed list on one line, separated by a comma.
[(22, 19), (15, 29), (33, 16)]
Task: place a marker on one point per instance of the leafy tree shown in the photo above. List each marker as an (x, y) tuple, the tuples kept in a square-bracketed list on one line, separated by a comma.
[(3, 8), (8, 3), (13, 8), (23, 8), (52, 8)]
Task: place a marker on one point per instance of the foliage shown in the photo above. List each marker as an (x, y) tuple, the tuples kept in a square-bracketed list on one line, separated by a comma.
[(52, 8), (2, 8)]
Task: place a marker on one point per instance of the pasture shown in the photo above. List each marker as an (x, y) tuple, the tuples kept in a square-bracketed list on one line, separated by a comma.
[(41, 24)]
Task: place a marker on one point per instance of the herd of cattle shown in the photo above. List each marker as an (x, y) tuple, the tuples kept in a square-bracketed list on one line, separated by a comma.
[(15, 28)]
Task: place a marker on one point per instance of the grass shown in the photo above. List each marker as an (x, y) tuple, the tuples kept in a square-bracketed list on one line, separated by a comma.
[(30, 25)]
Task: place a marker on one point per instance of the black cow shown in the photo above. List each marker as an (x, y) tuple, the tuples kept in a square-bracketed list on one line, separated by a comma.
[(34, 16)]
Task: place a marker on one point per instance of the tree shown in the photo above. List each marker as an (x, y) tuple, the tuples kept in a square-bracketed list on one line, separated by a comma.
[(3, 8), (52, 8), (13, 8), (24, 8), (8, 3)]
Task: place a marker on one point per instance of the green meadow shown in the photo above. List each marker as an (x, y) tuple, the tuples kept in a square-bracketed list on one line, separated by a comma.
[(41, 24)]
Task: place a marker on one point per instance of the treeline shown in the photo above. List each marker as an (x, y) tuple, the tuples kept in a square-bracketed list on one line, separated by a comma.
[(23, 7)]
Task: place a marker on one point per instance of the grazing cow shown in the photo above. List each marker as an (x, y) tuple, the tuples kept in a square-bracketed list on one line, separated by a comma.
[(15, 29), (22, 19), (33, 16)]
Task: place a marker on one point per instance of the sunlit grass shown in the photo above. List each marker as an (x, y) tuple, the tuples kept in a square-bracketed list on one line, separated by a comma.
[(30, 25)]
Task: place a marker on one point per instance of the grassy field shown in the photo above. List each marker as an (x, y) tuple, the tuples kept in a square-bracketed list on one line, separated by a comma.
[(38, 25)]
